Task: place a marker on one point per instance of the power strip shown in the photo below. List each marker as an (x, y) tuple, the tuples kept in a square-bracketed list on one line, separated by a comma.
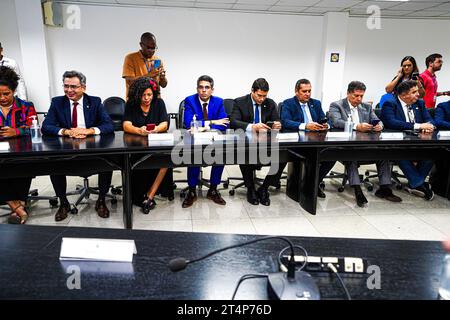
[(342, 264)]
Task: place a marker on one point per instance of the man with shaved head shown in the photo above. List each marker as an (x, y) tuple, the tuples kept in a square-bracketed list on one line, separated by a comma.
[(144, 63)]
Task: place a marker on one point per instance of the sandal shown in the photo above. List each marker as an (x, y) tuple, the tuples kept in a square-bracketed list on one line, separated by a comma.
[(15, 218), (147, 205)]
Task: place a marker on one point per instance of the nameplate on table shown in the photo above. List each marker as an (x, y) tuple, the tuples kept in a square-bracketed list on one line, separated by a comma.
[(205, 135), (161, 137), (443, 135), (391, 136), (289, 136), (91, 249), (4, 146), (226, 137), (338, 135)]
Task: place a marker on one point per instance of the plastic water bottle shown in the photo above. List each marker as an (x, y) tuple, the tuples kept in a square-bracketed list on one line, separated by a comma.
[(36, 135), (194, 125), (349, 125)]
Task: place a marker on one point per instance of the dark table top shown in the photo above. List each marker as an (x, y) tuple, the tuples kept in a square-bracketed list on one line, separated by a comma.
[(31, 269)]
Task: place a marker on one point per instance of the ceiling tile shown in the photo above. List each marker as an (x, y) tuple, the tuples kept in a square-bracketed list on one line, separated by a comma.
[(287, 9), (380, 4), (299, 3), (322, 10), (137, 2), (243, 6), (425, 14), (441, 7), (170, 3), (414, 5), (259, 2), (210, 5), (389, 13), (337, 4)]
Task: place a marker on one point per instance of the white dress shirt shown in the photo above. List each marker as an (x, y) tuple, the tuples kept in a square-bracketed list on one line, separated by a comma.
[(80, 117), (302, 126), (249, 126), (206, 122), (405, 111)]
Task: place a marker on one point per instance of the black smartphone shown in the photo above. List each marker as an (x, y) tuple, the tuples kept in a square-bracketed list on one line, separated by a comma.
[(374, 122), (323, 120), (269, 124), (415, 76)]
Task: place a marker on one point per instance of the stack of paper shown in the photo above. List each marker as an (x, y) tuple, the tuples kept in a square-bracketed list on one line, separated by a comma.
[(161, 137)]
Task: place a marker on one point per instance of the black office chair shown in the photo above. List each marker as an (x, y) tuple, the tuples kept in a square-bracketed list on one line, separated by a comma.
[(115, 107), (201, 181)]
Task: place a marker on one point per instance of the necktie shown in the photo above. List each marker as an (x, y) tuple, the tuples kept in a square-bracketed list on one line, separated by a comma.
[(256, 113), (410, 114), (205, 111), (305, 114), (74, 115)]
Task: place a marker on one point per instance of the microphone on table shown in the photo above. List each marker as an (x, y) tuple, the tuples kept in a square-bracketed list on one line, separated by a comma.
[(281, 285)]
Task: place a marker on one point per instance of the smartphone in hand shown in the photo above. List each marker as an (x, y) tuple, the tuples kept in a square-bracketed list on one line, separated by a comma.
[(415, 76), (375, 122), (270, 124), (150, 127), (157, 63), (323, 121)]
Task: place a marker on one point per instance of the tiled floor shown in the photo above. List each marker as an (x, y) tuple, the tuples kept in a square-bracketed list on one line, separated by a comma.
[(337, 215)]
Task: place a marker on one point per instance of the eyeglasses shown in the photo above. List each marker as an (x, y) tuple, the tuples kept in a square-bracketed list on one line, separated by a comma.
[(203, 87), (70, 86)]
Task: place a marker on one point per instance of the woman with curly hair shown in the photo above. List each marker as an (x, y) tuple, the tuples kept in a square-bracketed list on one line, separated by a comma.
[(15, 121), (144, 107)]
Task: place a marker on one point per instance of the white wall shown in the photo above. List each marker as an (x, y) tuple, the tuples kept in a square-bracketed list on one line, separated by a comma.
[(9, 33), (233, 48), (373, 56)]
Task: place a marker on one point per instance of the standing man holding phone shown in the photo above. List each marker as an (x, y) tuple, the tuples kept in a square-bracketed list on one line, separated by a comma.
[(144, 63), (363, 118)]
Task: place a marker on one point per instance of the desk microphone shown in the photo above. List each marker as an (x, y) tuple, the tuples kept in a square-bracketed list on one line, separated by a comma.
[(282, 286)]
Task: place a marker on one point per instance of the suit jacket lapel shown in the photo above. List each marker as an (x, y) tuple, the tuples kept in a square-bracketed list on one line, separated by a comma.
[(66, 112), (312, 111), (347, 109), (252, 112), (400, 110), (86, 111)]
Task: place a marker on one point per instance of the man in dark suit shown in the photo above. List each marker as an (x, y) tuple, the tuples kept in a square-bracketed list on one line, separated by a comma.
[(251, 113), (442, 116), (208, 110), (407, 112), (77, 115), (302, 113), (364, 120)]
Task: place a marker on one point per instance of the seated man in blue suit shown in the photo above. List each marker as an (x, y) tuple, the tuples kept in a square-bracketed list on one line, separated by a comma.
[(77, 115), (442, 116), (302, 113), (210, 111), (407, 112)]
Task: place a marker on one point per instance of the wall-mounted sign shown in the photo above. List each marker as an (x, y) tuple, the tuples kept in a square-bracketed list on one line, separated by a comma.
[(334, 57)]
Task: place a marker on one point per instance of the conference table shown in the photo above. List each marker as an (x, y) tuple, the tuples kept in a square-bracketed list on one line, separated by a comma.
[(31, 268), (19, 157)]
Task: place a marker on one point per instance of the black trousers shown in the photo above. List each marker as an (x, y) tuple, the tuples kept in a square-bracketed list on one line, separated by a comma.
[(59, 183), (270, 180), (324, 168), (14, 189)]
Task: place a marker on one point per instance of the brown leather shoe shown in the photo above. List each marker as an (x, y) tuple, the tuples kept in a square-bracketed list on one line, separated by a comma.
[(102, 209), (62, 212), (189, 200), (215, 196)]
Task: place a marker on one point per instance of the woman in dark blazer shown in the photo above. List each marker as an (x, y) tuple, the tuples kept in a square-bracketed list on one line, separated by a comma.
[(144, 107), (15, 121)]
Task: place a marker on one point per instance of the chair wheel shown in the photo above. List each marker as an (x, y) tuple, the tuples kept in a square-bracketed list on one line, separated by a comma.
[(399, 187), (115, 191), (370, 188), (174, 186), (74, 211), (34, 194), (225, 185), (171, 198), (53, 203), (231, 192), (341, 189), (322, 185), (278, 186), (113, 201), (367, 173), (182, 195)]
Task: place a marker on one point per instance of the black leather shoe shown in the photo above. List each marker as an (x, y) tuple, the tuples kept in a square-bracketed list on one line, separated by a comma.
[(190, 198), (360, 198), (320, 193), (264, 196), (101, 208), (215, 196), (429, 194), (62, 212), (252, 197), (386, 193)]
